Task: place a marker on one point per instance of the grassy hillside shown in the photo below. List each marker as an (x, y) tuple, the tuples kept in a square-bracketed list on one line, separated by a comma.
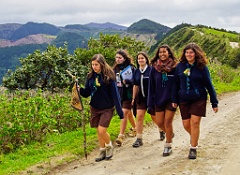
[(214, 42)]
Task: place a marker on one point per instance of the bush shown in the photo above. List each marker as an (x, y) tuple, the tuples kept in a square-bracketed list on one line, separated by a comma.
[(28, 116)]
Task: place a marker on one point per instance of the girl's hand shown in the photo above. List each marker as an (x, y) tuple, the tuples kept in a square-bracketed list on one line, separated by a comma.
[(132, 103), (174, 105), (215, 109)]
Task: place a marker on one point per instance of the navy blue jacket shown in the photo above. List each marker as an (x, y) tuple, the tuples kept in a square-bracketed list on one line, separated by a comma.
[(137, 82), (159, 92), (103, 97), (199, 79)]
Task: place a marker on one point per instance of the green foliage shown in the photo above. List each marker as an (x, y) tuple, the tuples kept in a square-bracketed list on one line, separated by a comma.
[(68, 145), (10, 56), (222, 73), (234, 58), (225, 78), (107, 45), (28, 116), (47, 70), (44, 70)]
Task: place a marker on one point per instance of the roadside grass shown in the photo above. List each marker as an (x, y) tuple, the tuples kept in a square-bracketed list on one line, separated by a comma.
[(67, 146)]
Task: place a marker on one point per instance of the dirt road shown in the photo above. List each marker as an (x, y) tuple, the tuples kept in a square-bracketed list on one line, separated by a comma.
[(218, 152)]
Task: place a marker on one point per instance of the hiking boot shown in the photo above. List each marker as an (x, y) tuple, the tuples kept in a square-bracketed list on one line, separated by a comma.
[(119, 141), (132, 132), (167, 151), (109, 152), (192, 154), (162, 135), (101, 156), (137, 143)]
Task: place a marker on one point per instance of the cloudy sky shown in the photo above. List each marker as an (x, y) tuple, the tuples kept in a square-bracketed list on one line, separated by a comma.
[(214, 13)]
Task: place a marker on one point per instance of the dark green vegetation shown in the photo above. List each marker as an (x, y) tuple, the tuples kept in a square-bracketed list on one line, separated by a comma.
[(47, 70), (38, 124)]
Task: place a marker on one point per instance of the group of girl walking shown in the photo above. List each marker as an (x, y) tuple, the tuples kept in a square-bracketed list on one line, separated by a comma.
[(158, 87)]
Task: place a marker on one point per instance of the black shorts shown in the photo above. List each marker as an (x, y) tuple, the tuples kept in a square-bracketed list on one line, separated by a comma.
[(197, 108), (142, 104), (127, 104), (100, 117), (167, 106)]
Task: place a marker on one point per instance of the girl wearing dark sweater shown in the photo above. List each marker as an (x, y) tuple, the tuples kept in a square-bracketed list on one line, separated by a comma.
[(101, 86), (192, 79), (159, 94), (140, 94)]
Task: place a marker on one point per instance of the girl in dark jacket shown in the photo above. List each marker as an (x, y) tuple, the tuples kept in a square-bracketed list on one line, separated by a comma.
[(101, 86), (191, 81), (140, 94), (124, 71), (160, 89)]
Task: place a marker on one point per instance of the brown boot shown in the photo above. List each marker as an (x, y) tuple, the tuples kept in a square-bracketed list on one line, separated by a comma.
[(119, 140)]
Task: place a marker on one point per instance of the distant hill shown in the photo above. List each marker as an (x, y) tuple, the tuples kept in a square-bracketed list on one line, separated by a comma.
[(145, 26), (147, 31), (77, 27), (32, 28), (73, 41), (106, 25), (30, 39), (7, 30)]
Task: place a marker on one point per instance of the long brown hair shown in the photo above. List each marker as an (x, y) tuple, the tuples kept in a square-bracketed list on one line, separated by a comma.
[(200, 56), (106, 71), (170, 52)]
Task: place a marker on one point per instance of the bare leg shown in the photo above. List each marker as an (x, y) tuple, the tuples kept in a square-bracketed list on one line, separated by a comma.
[(159, 120), (187, 125), (168, 125), (103, 136), (140, 120), (123, 124), (131, 119), (195, 129)]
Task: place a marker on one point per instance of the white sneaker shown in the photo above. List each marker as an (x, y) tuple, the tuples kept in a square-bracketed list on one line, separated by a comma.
[(109, 152)]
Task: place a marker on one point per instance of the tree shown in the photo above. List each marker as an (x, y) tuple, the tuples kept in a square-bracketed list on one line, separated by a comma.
[(43, 70), (107, 45), (47, 70)]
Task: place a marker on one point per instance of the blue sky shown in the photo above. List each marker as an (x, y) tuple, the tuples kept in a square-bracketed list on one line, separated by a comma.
[(214, 13)]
